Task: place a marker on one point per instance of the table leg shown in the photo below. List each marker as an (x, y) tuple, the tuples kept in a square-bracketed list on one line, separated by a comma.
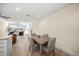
[(40, 49)]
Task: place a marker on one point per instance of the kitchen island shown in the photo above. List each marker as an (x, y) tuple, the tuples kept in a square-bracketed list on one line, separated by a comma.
[(5, 45)]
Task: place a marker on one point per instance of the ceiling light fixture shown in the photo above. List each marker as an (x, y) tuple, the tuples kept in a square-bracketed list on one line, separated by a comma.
[(17, 9), (37, 16)]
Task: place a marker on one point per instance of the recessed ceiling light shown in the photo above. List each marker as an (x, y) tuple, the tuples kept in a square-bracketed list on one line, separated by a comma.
[(17, 9), (37, 16)]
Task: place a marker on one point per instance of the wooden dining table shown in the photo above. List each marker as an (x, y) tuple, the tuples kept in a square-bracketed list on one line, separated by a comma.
[(40, 40)]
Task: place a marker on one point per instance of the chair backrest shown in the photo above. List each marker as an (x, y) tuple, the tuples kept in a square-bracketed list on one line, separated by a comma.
[(33, 34), (31, 42), (51, 44), (45, 35)]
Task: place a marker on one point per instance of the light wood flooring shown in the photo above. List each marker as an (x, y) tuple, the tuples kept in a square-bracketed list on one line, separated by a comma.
[(21, 48)]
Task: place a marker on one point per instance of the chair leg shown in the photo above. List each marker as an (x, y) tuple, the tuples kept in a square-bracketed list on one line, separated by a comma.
[(31, 53), (29, 49), (50, 53), (54, 52)]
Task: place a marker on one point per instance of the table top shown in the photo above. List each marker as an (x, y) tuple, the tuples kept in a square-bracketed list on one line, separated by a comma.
[(40, 39)]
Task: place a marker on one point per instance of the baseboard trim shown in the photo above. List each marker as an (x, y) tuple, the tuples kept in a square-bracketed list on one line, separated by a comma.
[(68, 51)]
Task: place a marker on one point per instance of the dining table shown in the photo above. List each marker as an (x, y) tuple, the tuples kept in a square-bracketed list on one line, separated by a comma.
[(40, 39)]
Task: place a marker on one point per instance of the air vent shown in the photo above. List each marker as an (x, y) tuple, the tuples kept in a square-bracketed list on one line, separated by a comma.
[(28, 15)]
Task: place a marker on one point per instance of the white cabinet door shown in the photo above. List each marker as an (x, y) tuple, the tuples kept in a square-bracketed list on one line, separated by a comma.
[(5, 47), (9, 46), (2, 48)]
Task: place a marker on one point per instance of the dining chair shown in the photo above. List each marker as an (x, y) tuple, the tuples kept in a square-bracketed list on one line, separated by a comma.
[(45, 35), (33, 34), (32, 45), (50, 47)]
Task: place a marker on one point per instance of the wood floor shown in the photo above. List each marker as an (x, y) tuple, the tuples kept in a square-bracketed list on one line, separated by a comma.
[(21, 48)]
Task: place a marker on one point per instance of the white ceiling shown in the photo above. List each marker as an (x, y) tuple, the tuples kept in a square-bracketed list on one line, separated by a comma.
[(29, 11)]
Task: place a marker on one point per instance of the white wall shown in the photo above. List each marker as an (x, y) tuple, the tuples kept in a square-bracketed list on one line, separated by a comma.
[(63, 24), (3, 27)]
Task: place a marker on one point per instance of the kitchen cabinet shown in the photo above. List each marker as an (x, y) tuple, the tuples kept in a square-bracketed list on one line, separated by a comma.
[(5, 46)]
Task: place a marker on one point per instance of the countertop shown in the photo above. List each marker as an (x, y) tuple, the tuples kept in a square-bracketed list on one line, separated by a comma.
[(5, 37)]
